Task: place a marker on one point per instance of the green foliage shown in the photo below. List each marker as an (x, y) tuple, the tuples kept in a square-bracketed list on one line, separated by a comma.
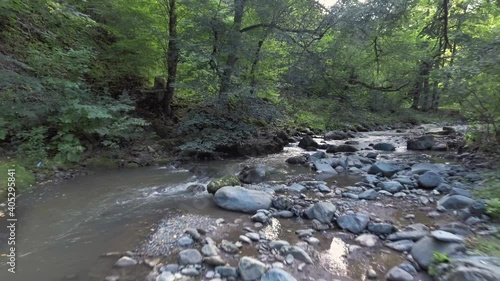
[(493, 208), (216, 184), (487, 245), (222, 122), (437, 258), (100, 163), (33, 146)]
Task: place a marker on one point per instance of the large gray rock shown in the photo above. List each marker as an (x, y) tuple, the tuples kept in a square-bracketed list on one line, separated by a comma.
[(237, 198), (477, 268), (254, 174), (381, 228), (384, 146), (323, 167), (277, 274), (322, 211), (460, 191), (401, 245), (421, 143), (341, 148), (370, 194), (398, 274), (386, 169), (307, 142), (296, 160), (297, 188), (210, 250), (189, 256), (278, 244), (336, 135), (354, 223), (421, 168), (423, 250), (297, 252), (455, 202), (446, 236), (429, 180), (413, 235), (251, 269), (391, 186)]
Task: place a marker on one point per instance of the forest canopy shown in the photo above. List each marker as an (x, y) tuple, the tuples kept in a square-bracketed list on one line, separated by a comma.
[(76, 75)]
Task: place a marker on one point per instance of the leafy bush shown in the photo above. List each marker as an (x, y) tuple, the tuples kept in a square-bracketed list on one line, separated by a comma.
[(493, 208), (222, 122), (437, 258), (33, 145)]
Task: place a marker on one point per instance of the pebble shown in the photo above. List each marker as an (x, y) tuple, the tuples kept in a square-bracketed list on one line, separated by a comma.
[(278, 265), (210, 274), (313, 241), (245, 239), (190, 271), (289, 259), (433, 214), (371, 274), (410, 216)]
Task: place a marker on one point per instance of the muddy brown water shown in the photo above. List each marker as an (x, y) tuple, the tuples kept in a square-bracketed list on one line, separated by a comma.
[(64, 228)]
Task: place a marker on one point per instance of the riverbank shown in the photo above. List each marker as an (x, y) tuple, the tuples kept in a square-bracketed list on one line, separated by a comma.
[(143, 214)]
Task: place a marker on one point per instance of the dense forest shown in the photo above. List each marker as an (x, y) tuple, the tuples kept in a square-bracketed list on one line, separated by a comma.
[(203, 76)]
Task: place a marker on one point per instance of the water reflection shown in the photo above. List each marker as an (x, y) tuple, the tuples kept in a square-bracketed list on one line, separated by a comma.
[(272, 230), (334, 259)]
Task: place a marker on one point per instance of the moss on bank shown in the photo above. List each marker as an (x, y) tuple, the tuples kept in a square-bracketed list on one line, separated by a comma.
[(24, 178)]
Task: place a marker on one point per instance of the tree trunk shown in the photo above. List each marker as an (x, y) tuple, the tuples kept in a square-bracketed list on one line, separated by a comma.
[(424, 74), (416, 93), (253, 70), (234, 42), (172, 58), (435, 90), (421, 88)]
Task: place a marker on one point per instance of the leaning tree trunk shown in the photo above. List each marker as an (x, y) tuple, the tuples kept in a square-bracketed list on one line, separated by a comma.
[(234, 42), (172, 58), (425, 93)]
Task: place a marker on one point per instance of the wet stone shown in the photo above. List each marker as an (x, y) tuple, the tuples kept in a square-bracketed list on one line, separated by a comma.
[(190, 256), (401, 245), (229, 247), (190, 271), (446, 236), (185, 241), (125, 262)]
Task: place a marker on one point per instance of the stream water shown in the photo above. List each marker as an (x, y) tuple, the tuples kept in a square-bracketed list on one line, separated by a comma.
[(64, 228)]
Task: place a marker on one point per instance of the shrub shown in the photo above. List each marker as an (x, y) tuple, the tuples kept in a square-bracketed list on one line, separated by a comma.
[(493, 208)]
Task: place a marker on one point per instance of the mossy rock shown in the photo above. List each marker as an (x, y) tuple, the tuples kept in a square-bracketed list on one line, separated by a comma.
[(216, 184), (101, 163), (131, 165), (24, 178), (165, 161)]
